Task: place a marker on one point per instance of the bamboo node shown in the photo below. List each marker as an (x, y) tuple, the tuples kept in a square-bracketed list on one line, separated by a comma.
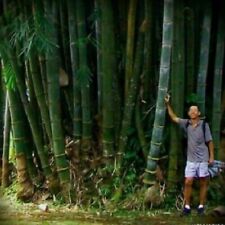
[(157, 144), (148, 182), (62, 169), (153, 158), (60, 155), (150, 171)]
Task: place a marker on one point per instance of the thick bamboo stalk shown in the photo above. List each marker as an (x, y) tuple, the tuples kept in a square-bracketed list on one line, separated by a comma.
[(159, 122), (177, 92), (85, 87), (52, 69), (189, 36), (98, 49), (204, 56), (217, 83), (131, 100), (39, 93), (148, 80), (26, 190), (108, 71), (130, 44), (77, 126), (6, 139)]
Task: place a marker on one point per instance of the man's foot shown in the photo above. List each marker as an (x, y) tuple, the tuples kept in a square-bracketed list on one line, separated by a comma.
[(186, 211), (201, 210)]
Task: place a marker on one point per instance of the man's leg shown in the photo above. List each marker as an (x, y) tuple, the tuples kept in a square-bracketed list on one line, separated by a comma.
[(188, 189), (203, 189)]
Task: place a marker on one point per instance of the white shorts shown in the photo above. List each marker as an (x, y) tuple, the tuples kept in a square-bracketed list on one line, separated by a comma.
[(196, 169)]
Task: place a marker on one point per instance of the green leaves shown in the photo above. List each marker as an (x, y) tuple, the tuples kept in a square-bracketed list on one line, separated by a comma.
[(9, 76)]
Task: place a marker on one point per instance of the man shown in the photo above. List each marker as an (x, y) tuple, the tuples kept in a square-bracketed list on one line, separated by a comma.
[(200, 153)]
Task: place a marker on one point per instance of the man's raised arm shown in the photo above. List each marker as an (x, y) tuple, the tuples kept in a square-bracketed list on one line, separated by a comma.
[(171, 113)]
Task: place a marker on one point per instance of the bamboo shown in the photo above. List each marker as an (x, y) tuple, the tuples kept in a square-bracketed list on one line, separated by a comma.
[(108, 65), (85, 87), (131, 100), (98, 49), (204, 56), (148, 79), (39, 93), (77, 126), (190, 36), (130, 44), (26, 187), (52, 69), (159, 122), (177, 92), (217, 82), (6, 139)]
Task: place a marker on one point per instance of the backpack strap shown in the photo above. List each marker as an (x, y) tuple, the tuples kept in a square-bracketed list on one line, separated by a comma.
[(203, 128)]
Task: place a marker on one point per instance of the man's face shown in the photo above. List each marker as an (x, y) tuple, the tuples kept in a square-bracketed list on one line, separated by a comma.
[(194, 112)]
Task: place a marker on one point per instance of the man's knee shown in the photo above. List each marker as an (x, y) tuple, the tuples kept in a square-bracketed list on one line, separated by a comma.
[(188, 181)]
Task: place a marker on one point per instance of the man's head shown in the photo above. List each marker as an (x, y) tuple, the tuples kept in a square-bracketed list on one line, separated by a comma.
[(194, 112)]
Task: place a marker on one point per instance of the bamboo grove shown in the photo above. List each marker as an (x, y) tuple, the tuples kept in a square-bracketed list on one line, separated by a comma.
[(82, 93)]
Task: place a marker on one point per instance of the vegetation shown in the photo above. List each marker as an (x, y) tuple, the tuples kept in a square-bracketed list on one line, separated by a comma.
[(82, 96)]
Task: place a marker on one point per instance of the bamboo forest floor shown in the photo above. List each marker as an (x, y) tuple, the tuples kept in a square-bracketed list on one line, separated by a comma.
[(13, 212)]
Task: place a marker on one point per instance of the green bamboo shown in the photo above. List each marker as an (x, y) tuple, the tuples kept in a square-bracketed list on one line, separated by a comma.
[(64, 35), (77, 127), (217, 82), (98, 47), (189, 36), (177, 92), (31, 116), (130, 44), (84, 71), (159, 122), (19, 137), (108, 65), (140, 130), (6, 139), (130, 100), (204, 56), (39, 92), (52, 71), (148, 67), (1, 118)]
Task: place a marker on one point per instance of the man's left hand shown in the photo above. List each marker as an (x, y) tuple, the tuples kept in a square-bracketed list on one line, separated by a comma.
[(211, 160)]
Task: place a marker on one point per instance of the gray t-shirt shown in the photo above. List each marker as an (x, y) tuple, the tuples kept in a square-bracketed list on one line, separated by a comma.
[(197, 150)]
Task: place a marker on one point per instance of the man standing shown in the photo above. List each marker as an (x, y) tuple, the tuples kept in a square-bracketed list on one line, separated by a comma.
[(200, 153)]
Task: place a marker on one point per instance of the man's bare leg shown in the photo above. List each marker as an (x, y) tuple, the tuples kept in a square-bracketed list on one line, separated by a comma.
[(188, 190)]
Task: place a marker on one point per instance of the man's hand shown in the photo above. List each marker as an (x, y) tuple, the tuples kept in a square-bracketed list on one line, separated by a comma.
[(167, 98), (211, 160)]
